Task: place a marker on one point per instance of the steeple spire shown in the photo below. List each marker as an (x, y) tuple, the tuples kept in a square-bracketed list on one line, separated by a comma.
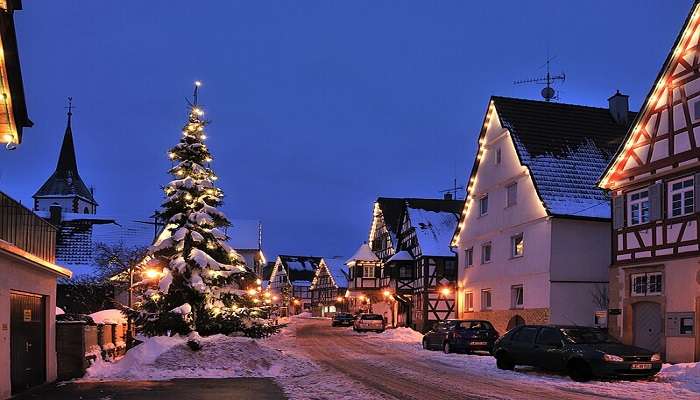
[(67, 164)]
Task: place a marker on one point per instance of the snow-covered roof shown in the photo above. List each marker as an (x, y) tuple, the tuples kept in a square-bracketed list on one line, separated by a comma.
[(567, 148), (301, 283), (111, 316), (299, 267), (403, 255), (338, 271), (363, 253), (433, 230)]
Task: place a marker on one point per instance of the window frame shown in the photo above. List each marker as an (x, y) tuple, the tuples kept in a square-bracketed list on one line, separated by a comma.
[(469, 301), (469, 257), (513, 246), (683, 191), (646, 285), (365, 268), (484, 200), (483, 253), (511, 200), (513, 299), (486, 293), (638, 202)]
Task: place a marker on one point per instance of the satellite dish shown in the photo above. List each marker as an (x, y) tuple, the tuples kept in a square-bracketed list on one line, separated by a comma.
[(548, 93)]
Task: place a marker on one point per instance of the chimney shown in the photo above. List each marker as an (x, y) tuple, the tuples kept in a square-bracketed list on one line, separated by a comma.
[(55, 214), (619, 107), (447, 196)]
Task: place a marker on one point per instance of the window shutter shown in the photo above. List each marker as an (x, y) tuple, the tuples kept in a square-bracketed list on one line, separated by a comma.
[(696, 187), (655, 202), (618, 212)]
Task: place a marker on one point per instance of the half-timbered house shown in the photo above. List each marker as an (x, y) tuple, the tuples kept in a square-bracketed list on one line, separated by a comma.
[(533, 238), (290, 282), (328, 288), (654, 180), (364, 282)]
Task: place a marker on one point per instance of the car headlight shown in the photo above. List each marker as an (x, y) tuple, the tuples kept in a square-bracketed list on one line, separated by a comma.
[(656, 357), (612, 358)]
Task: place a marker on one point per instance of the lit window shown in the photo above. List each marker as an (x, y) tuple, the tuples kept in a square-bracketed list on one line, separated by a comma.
[(638, 207), (469, 257), (368, 271), (681, 195), (486, 253), (516, 296), (512, 194), (517, 246), (484, 205), (486, 299), (469, 301), (647, 284)]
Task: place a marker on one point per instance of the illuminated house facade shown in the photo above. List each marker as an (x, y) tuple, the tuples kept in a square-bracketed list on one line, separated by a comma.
[(328, 288), (290, 282), (533, 238), (654, 181)]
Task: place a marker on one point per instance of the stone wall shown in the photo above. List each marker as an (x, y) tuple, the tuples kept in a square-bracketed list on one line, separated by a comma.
[(500, 318)]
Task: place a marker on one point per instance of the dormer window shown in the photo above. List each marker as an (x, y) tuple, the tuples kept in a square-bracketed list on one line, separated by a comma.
[(681, 197)]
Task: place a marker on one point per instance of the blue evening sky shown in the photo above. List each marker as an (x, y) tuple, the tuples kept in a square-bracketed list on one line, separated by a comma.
[(317, 107)]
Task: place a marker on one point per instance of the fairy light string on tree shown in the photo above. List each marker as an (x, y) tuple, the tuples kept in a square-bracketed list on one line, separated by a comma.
[(203, 282)]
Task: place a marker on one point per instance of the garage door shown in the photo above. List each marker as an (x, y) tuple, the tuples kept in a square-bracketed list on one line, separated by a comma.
[(27, 341)]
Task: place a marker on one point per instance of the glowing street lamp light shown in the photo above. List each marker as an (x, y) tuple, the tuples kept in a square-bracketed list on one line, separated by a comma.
[(152, 273)]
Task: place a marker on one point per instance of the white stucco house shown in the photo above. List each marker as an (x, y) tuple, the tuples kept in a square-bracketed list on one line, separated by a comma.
[(533, 239)]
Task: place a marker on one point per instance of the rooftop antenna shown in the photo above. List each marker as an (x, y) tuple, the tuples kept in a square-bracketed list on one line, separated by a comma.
[(451, 193), (548, 92)]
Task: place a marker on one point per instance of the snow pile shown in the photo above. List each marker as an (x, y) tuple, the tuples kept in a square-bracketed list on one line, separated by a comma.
[(163, 358), (404, 335), (305, 314), (111, 316), (686, 375), (59, 311)]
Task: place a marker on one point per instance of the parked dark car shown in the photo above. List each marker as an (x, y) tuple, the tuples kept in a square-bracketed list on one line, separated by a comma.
[(581, 352), (342, 319), (455, 335)]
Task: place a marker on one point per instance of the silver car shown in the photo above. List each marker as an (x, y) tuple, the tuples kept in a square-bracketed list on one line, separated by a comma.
[(369, 322)]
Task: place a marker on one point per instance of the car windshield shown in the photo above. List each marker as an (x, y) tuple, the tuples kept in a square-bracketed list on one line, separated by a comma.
[(477, 325), (372, 317), (588, 336)]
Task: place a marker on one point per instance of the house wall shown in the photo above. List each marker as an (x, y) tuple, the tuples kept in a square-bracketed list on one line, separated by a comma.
[(66, 203), (580, 260), (527, 216), (23, 276)]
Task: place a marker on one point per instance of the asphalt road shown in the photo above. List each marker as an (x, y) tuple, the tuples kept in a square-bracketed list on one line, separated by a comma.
[(398, 375), (190, 389)]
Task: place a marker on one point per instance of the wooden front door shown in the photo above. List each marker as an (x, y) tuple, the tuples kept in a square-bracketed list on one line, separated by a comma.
[(27, 341), (647, 325)]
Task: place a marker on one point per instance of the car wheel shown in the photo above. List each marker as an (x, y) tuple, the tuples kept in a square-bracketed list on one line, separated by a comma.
[(579, 371), (446, 348), (503, 361), (425, 345)]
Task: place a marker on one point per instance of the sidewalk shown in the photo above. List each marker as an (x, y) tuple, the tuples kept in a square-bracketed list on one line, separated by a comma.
[(191, 389)]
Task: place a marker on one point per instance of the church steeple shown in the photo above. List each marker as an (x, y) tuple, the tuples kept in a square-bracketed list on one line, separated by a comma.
[(64, 186)]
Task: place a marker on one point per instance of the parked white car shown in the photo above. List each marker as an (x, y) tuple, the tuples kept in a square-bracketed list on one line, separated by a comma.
[(369, 322)]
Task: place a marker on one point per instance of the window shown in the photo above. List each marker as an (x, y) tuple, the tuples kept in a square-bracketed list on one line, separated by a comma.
[(638, 207), (469, 301), (511, 194), (516, 296), (681, 195), (517, 246), (549, 337), (484, 205), (405, 272), (486, 253), (525, 334), (486, 299), (686, 325), (368, 271), (498, 156), (647, 284), (469, 257)]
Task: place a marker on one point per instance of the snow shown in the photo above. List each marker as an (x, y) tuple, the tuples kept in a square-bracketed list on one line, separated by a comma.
[(337, 270), (301, 283), (183, 309), (434, 231), (59, 311), (300, 266), (111, 316), (164, 358), (402, 255), (363, 253)]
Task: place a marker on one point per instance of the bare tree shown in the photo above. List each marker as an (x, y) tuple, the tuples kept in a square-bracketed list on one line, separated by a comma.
[(600, 296)]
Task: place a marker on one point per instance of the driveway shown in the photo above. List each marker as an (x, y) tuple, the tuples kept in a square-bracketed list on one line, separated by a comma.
[(190, 389)]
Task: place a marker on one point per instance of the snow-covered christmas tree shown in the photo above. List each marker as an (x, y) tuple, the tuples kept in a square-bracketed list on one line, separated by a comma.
[(204, 283)]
